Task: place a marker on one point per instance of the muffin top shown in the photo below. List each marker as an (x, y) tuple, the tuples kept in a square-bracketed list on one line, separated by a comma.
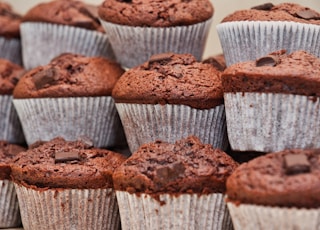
[(188, 166), (65, 164), (156, 13), (218, 61), (296, 73), (290, 178), (71, 13), (171, 79), (9, 21), (7, 152), (10, 74), (70, 75), (281, 12)]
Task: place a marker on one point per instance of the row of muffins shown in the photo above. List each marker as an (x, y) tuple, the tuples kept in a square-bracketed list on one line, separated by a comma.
[(175, 73)]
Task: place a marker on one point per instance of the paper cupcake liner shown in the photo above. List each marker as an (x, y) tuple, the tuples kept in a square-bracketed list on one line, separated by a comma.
[(10, 126), (144, 123), (10, 48), (9, 211), (41, 42), (253, 217), (134, 45), (268, 122), (93, 117), (186, 211), (68, 208), (248, 40)]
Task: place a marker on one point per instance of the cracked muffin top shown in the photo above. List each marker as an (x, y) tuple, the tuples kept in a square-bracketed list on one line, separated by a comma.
[(281, 12), (170, 78), (71, 12), (290, 178), (9, 21), (187, 166), (156, 13), (10, 74), (65, 164), (70, 75)]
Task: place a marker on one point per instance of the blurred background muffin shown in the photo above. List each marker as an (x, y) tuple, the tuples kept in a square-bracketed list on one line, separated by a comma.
[(138, 29), (70, 97), (169, 97), (51, 28)]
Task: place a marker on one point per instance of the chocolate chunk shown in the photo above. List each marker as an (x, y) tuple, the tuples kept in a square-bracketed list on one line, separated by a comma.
[(308, 14), (160, 57), (215, 64), (86, 140), (269, 60), (296, 164), (266, 6), (61, 157), (45, 78), (170, 172)]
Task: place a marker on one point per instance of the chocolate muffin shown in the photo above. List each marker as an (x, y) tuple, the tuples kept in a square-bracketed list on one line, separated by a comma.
[(10, 46), (268, 188), (184, 177), (63, 180), (10, 215), (62, 26), (70, 97), (138, 30), (272, 102), (218, 61), (170, 97), (249, 34)]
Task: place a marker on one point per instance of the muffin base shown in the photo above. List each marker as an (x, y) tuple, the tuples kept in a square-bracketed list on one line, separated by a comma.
[(10, 48)]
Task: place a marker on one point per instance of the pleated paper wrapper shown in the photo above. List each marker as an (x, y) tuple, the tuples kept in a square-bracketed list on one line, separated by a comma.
[(41, 42), (133, 45), (144, 123), (186, 211), (249, 40), (93, 117), (9, 211), (269, 122), (10, 125), (72, 209), (10, 48), (253, 217)]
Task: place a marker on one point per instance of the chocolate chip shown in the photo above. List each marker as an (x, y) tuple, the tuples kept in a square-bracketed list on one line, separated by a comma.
[(170, 172), (86, 140), (215, 64), (45, 78), (296, 164), (266, 6), (160, 57), (61, 157), (269, 60), (308, 14)]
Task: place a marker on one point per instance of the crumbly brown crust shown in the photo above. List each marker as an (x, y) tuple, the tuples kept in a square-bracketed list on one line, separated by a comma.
[(37, 168), (281, 12), (156, 13), (9, 21), (10, 74), (264, 181), (70, 75), (71, 13), (188, 166), (295, 73), (171, 79)]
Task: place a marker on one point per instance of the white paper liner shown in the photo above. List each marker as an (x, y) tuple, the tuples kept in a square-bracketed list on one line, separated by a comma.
[(10, 48), (144, 123), (68, 208), (9, 211), (41, 42), (186, 211), (249, 40), (253, 217), (10, 126), (133, 45), (93, 117), (268, 122)]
